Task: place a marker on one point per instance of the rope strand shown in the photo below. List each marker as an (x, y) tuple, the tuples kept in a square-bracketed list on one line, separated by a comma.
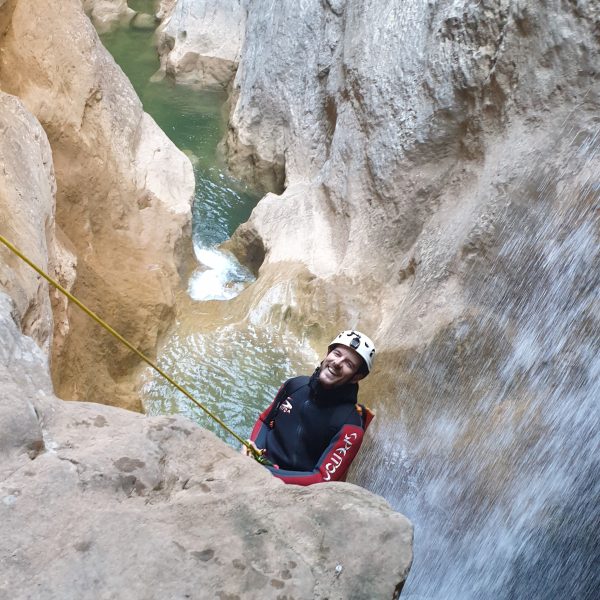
[(131, 347)]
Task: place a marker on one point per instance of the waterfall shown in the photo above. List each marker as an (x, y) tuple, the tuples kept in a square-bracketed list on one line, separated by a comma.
[(493, 446)]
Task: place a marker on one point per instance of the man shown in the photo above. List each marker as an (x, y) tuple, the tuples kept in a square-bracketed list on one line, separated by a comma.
[(313, 429)]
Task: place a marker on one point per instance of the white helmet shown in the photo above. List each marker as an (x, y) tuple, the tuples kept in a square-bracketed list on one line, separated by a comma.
[(359, 342)]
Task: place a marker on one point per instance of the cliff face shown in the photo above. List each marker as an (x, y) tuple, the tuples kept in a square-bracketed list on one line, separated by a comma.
[(438, 164), (27, 188), (123, 193), (404, 132), (400, 133), (389, 112), (441, 192)]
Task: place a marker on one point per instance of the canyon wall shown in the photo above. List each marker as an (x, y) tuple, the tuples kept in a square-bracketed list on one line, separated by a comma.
[(402, 132), (434, 177), (399, 136), (123, 195), (435, 168), (396, 138)]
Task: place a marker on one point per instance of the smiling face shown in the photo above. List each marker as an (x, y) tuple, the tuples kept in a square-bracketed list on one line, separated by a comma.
[(340, 366)]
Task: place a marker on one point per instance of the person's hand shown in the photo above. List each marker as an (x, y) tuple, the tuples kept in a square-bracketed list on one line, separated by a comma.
[(246, 452)]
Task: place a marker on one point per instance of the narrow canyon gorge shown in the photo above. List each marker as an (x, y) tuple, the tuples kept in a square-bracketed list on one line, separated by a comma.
[(428, 173)]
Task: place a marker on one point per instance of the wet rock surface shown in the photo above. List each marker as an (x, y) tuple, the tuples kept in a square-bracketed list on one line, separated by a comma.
[(441, 187)]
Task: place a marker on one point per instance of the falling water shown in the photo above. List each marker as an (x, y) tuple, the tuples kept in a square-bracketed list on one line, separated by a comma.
[(493, 447)]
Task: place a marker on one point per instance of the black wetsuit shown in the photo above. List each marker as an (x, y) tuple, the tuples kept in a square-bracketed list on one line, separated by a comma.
[(312, 434)]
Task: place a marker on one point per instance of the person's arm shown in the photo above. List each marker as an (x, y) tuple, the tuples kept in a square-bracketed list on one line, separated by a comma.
[(333, 463), (261, 427)]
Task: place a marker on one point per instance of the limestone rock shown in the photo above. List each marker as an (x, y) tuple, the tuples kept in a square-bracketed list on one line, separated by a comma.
[(124, 192), (143, 22), (27, 188), (107, 14), (200, 41), (389, 121), (441, 165), (117, 501)]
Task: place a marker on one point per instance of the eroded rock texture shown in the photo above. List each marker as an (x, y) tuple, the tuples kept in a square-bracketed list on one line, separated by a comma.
[(117, 504), (107, 14), (401, 131), (123, 192), (397, 130), (27, 188), (440, 163), (405, 137), (199, 41), (364, 93)]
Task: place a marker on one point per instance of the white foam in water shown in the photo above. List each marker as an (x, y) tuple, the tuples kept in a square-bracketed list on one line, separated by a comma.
[(213, 258), (222, 278)]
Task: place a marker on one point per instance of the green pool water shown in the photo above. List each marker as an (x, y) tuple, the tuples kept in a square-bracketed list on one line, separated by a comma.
[(147, 6), (231, 366), (194, 122)]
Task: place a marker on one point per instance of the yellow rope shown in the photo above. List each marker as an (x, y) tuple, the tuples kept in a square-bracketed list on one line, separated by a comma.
[(108, 328)]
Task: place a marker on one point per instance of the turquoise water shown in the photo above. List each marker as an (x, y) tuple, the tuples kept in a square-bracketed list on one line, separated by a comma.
[(145, 6), (194, 122), (230, 366), (233, 370)]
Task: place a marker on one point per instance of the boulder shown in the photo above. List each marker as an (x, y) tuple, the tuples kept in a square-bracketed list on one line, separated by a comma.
[(108, 14), (118, 504), (199, 42), (144, 22)]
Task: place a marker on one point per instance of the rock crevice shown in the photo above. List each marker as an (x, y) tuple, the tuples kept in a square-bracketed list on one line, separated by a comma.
[(123, 194)]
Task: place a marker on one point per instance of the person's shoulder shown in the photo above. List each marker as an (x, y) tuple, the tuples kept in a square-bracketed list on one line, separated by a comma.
[(295, 383)]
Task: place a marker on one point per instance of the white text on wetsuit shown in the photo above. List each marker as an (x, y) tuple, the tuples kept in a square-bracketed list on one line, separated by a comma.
[(338, 456)]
